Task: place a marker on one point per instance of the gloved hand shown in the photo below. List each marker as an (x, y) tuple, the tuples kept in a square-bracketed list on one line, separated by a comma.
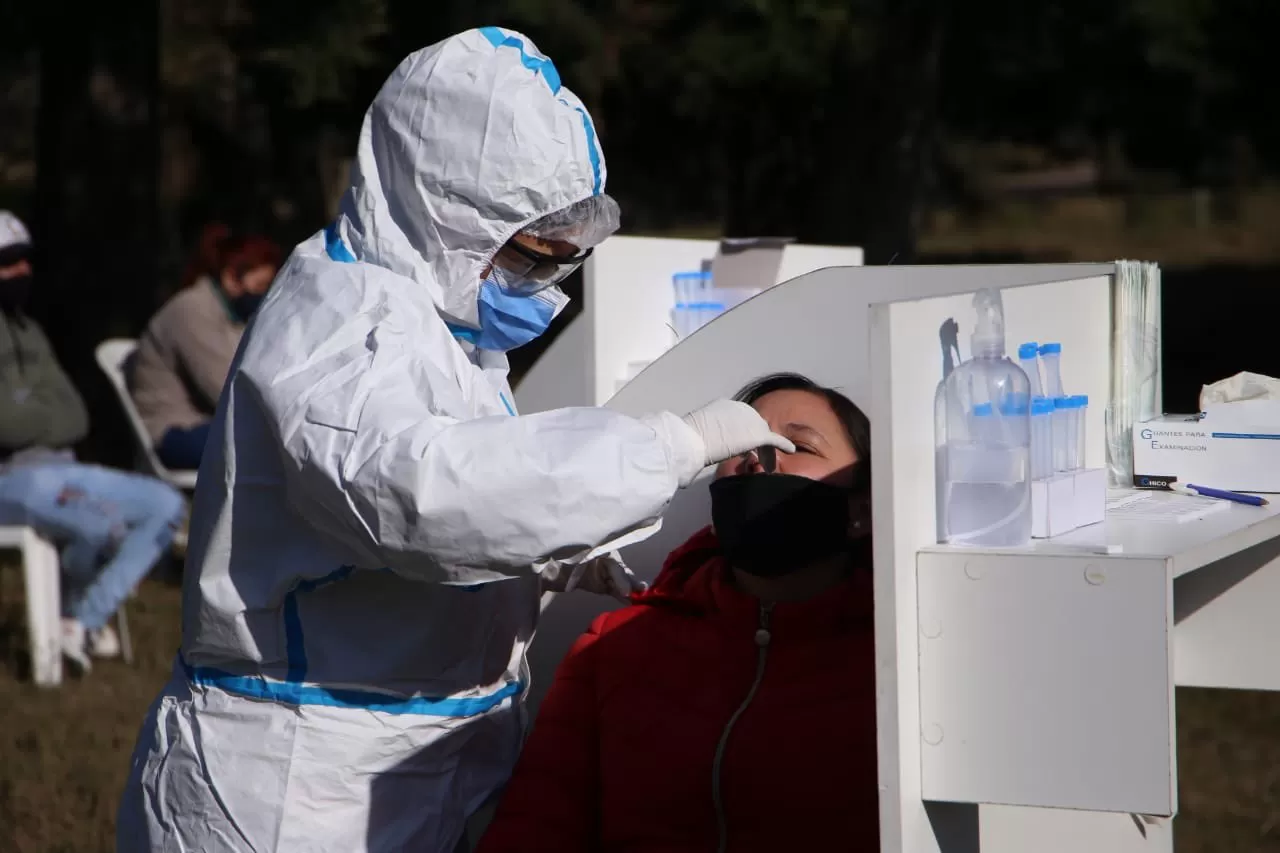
[(605, 575), (729, 428)]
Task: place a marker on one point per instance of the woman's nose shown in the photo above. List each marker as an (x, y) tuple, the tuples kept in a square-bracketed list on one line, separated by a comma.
[(762, 460)]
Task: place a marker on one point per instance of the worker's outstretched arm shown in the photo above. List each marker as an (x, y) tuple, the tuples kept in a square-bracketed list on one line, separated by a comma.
[(369, 399)]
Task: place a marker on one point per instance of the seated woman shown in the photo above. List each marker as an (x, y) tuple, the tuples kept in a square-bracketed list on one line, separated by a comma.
[(732, 705), (185, 354)]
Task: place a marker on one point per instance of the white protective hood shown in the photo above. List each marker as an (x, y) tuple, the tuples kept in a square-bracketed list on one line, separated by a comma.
[(456, 155)]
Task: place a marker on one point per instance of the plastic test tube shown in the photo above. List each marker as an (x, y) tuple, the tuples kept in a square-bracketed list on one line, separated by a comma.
[(1078, 412), (698, 301), (1071, 442), (685, 286), (694, 284), (1041, 438), (677, 312), (1051, 355), (1063, 432), (712, 303), (710, 311), (1011, 409), (1027, 358)]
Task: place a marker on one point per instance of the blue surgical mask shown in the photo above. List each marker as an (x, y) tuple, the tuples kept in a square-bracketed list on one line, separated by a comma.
[(509, 318)]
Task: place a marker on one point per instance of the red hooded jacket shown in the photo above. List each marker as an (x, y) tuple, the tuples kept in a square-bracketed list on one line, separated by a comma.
[(697, 715)]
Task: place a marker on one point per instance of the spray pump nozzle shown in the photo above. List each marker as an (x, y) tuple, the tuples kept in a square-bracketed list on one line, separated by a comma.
[(987, 340)]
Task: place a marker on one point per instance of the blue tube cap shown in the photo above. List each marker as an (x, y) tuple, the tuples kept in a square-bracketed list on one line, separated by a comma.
[(1050, 349), (1026, 352), (1062, 402), (1041, 406), (983, 410), (1081, 401)]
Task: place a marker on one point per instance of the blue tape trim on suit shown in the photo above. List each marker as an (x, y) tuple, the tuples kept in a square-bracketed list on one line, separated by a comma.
[(335, 248), (338, 251), (294, 644), (292, 691), (547, 69), (593, 152), (538, 65), (257, 687)]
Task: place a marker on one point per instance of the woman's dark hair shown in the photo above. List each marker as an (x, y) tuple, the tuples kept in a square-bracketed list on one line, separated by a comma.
[(857, 427), (856, 424)]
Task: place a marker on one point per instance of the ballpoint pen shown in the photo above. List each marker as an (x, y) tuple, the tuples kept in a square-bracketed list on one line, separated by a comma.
[(1206, 492)]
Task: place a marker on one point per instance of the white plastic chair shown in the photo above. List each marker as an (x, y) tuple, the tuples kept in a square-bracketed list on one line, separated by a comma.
[(42, 588), (40, 575), (113, 357)]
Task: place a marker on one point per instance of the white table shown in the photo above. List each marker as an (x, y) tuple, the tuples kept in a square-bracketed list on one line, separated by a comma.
[(1047, 673), (1191, 544)]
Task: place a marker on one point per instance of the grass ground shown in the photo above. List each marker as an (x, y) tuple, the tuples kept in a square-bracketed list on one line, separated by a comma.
[(64, 753), (1177, 229)]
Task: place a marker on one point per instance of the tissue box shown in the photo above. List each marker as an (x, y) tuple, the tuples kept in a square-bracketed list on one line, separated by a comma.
[(1067, 501), (1233, 446)]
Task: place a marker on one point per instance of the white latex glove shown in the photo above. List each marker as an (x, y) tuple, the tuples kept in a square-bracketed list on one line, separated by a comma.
[(729, 428), (718, 431), (605, 575)]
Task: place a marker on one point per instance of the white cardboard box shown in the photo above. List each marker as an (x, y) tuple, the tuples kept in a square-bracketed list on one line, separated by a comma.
[(1052, 506), (1066, 501), (1234, 446), (1091, 496)]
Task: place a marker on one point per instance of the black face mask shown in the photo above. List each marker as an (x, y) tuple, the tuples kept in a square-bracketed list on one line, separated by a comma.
[(15, 293), (771, 525), (245, 304)]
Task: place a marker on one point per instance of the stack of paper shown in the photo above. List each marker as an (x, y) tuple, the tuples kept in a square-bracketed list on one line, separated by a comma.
[(1160, 506)]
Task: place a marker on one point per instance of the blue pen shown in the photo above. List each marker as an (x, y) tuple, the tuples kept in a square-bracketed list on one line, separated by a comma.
[(1237, 497)]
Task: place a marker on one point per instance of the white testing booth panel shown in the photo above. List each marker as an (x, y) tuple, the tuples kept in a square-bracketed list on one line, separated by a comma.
[(838, 326), (1021, 703), (626, 315), (1026, 697)]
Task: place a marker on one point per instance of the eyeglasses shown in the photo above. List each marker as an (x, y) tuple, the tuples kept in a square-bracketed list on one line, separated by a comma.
[(538, 269)]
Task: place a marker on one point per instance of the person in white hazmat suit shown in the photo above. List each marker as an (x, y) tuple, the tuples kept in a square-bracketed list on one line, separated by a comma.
[(374, 525)]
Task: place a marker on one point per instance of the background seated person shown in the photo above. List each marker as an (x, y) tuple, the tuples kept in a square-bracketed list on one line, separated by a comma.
[(185, 354), (111, 527), (732, 705)]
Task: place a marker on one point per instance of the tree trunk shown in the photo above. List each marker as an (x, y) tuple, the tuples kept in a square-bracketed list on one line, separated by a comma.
[(879, 187), (95, 223)]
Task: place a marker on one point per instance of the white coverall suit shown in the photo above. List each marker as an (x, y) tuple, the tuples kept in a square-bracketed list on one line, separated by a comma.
[(371, 521)]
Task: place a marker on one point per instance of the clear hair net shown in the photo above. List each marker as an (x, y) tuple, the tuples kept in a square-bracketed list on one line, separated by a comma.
[(585, 224)]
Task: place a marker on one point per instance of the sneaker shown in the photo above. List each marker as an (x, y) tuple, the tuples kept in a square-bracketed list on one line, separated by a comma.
[(73, 644), (103, 643), (179, 546)]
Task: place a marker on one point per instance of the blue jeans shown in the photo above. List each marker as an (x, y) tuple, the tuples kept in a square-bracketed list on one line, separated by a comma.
[(111, 528), (181, 449)]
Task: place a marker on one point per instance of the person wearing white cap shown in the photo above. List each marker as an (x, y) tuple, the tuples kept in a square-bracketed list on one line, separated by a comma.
[(374, 524), (111, 527)]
